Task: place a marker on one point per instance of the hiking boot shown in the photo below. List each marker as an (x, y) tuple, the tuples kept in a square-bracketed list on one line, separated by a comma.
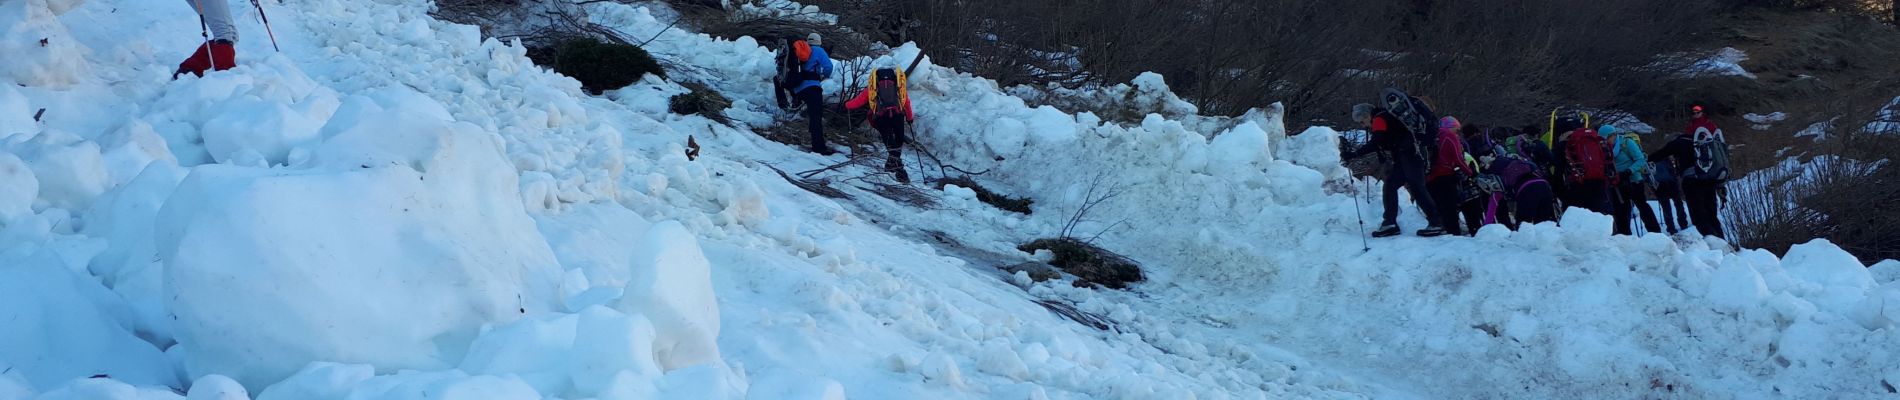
[(1386, 230), (902, 177), (1431, 231), (215, 55), (823, 150)]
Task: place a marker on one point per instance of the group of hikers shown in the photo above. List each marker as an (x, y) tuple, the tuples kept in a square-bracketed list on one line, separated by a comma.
[(1453, 170), (803, 66), (1511, 176)]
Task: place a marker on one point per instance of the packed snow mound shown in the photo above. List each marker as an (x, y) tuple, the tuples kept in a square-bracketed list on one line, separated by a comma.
[(18, 187), (673, 284), (400, 240), (60, 326), (40, 50)]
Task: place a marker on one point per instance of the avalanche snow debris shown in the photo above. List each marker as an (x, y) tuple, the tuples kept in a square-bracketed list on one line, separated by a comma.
[(395, 207)]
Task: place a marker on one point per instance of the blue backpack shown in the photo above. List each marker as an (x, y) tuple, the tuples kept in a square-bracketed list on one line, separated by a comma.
[(1663, 172)]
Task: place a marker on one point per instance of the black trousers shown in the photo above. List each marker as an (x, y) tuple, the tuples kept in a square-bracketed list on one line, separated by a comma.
[(1700, 194), (1591, 195), (1536, 203), (782, 94), (1675, 212), (1630, 195), (814, 99), (1474, 211), (891, 131), (1445, 191), (1411, 176)]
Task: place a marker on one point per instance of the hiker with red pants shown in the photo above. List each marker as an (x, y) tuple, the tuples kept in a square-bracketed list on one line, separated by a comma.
[(889, 100), (1446, 179), (1406, 169), (218, 52), (1700, 154)]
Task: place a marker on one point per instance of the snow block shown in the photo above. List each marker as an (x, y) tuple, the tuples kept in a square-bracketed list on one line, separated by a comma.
[(1317, 148), (1239, 150), (442, 385), (70, 170), (537, 349), (787, 385), (1843, 279), (107, 389), (13, 385), (319, 381), (18, 188), (57, 64), (404, 239), (1585, 226), (268, 128), (216, 387), (1885, 272), (1880, 309), (672, 285), (1736, 287), (16, 115), (59, 326), (607, 343)]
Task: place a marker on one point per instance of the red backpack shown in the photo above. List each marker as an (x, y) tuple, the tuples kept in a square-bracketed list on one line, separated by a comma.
[(889, 99), (1588, 159)]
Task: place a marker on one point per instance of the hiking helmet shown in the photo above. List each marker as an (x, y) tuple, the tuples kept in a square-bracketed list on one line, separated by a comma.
[(1606, 130), (815, 39), (1696, 108)]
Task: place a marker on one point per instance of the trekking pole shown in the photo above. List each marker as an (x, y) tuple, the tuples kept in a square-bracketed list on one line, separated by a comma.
[(267, 30), (1360, 212), (204, 31)]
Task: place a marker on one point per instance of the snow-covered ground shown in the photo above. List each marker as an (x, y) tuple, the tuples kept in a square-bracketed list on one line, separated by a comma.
[(395, 208), (1724, 62)]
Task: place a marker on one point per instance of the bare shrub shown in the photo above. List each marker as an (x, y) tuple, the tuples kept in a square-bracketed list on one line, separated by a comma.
[(1838, 199)]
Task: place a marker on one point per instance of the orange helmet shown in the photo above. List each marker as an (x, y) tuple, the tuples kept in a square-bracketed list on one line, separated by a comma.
[(802, 49)]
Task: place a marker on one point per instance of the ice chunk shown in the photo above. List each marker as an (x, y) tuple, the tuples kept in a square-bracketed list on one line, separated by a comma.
[(672, 286), (1736, 287), (1844, 280), (70, 170), (18, 188), (217, 387), (406, 239), (62, 326)]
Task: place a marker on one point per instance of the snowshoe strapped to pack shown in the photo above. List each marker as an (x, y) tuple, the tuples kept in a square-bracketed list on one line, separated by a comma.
[(1711, 156), (1417, 118)]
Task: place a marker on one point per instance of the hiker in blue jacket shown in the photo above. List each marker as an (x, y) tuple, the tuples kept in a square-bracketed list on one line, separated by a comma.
[(815, 67), (1632, 179)]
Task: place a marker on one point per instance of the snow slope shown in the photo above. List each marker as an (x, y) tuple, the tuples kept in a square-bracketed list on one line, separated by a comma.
[(395, 208)]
